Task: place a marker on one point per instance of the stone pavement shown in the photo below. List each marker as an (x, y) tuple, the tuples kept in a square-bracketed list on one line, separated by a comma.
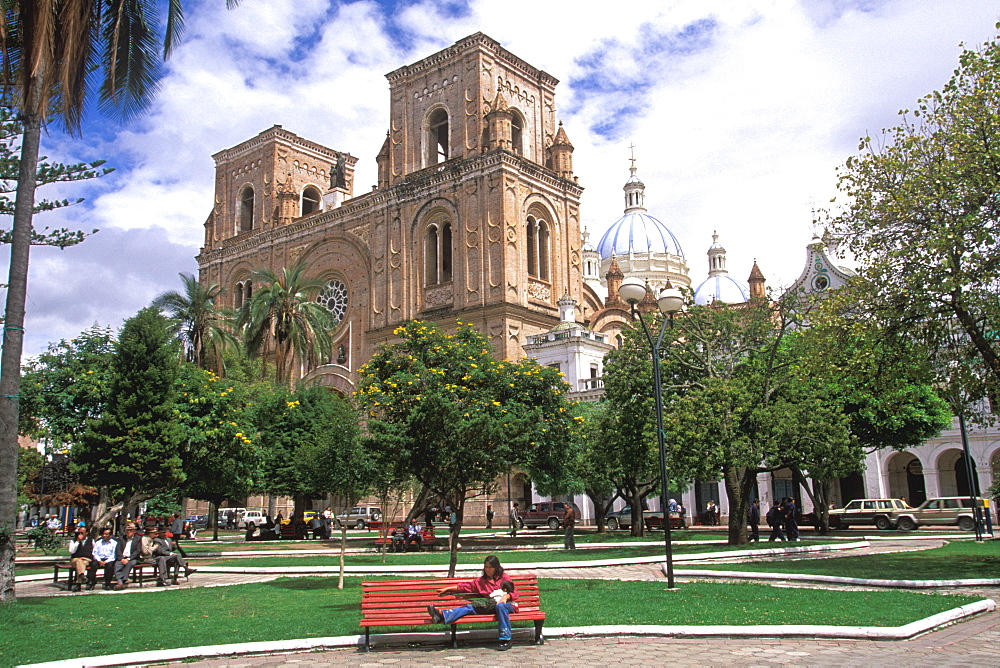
[(971, 643)]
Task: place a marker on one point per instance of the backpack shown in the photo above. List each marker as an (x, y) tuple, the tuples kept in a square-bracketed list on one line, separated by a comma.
[(772, 516)]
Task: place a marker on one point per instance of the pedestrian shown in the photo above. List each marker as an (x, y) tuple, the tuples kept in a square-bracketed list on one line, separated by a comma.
[(568, 524), (753, 518), (515, 519), (495, 593), (710, 516), (489, 515), (774, 520), (176, 529), (791, 523)]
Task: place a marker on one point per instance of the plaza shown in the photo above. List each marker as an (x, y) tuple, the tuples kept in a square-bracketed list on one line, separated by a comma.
[(969, 641)]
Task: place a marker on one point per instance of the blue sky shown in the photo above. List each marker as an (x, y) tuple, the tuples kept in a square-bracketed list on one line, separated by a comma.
[(740, 112)]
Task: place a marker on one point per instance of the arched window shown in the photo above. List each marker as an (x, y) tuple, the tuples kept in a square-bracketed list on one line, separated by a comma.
[(437, 254), (242, 293), (516, 133), (246, 209), (437, 137), (538, 248), (311, 199)]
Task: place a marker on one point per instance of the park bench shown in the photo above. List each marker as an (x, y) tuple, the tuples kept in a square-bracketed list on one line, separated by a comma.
[(384, 537), (404, 603), (137, 573)]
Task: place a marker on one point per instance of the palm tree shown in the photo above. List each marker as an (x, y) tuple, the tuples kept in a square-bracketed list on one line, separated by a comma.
[(50, 51), (283, 315), (200, 323)]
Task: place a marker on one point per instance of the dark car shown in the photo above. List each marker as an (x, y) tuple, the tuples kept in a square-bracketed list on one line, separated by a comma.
[(546, 513)]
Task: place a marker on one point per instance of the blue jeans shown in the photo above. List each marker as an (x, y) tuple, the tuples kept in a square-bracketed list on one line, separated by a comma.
[(503, 617)]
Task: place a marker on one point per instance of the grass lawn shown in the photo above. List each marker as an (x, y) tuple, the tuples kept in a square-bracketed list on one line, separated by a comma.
[(955, 560), (506, 557), (313, 607)]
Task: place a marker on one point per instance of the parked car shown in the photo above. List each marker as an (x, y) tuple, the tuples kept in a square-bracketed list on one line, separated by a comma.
[(251, 519), (880, 513), (942, 511), (546, 513), (358, 516), (622, 519), (197, 521)]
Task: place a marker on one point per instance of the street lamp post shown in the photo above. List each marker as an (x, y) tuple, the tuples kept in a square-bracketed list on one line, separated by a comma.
[(669, 301)]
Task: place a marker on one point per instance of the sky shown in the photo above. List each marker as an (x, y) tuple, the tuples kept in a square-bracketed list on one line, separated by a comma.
[(739, 112)]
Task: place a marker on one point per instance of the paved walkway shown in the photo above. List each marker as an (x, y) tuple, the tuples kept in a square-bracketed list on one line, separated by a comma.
[(970, 643)]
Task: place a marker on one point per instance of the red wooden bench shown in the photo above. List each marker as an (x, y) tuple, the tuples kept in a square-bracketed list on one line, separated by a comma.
[(384, 537), (677, 521), (404, 603)]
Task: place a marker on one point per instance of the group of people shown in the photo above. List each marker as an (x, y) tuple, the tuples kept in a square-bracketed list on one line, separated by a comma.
[(401, 539), (780, 517), (116, 557)]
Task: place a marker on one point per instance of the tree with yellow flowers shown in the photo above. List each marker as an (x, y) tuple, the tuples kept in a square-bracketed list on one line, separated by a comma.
[(442, 410)]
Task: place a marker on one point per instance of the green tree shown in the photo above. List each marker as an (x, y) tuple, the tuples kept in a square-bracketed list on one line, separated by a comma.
[(282, 316), (45, 173), (455, 417), (65, 387), (29, 463), (588, 463), (50, 53), (300, 434), (922, 211), (133, 451), (221, 460), (202, 325)]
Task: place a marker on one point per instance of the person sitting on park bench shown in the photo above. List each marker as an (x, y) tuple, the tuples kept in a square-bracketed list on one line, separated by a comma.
[(164, 548), (398, 538), (104, 557), (128, 553), (414, 534), (496, 594), (81, 554)]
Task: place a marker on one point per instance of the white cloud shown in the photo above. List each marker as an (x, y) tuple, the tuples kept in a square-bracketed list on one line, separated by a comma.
[(740, 112)]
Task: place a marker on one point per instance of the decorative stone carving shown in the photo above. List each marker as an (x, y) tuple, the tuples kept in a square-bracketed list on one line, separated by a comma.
[(438, 296), (539, 291)]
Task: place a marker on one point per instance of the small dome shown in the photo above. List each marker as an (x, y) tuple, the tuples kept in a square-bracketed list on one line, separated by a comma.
[(722, 288), (638, 232)]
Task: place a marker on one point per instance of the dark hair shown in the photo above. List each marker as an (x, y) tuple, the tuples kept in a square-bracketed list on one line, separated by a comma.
[(495, 563), (507, 586)]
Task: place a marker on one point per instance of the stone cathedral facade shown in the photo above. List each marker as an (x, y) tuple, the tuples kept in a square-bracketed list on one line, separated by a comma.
[(475, 217)]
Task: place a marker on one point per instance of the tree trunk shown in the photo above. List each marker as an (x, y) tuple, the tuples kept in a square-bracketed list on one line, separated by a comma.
[(602, 505), (635, 498), (343, 549), (739, 482), (213, 519), (13, 338)]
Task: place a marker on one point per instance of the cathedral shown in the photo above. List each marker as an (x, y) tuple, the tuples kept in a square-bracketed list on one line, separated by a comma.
[(475, 216)]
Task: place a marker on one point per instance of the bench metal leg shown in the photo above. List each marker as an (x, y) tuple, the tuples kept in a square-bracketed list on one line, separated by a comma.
[(454, 638), (368, 645)]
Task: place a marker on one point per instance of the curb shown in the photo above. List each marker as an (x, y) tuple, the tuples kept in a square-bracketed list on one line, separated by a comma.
[(833, 579), (755, 631)]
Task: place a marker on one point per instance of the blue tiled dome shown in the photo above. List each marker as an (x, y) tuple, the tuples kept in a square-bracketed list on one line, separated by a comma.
[(638, 232), (722, 288)]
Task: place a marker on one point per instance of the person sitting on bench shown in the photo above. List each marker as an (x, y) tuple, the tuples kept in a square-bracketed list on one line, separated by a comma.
[(495, 593), (414, 534), (81, 552), (398, 537)]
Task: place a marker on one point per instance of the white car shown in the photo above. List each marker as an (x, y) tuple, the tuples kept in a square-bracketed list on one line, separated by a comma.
[(252, 519)]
